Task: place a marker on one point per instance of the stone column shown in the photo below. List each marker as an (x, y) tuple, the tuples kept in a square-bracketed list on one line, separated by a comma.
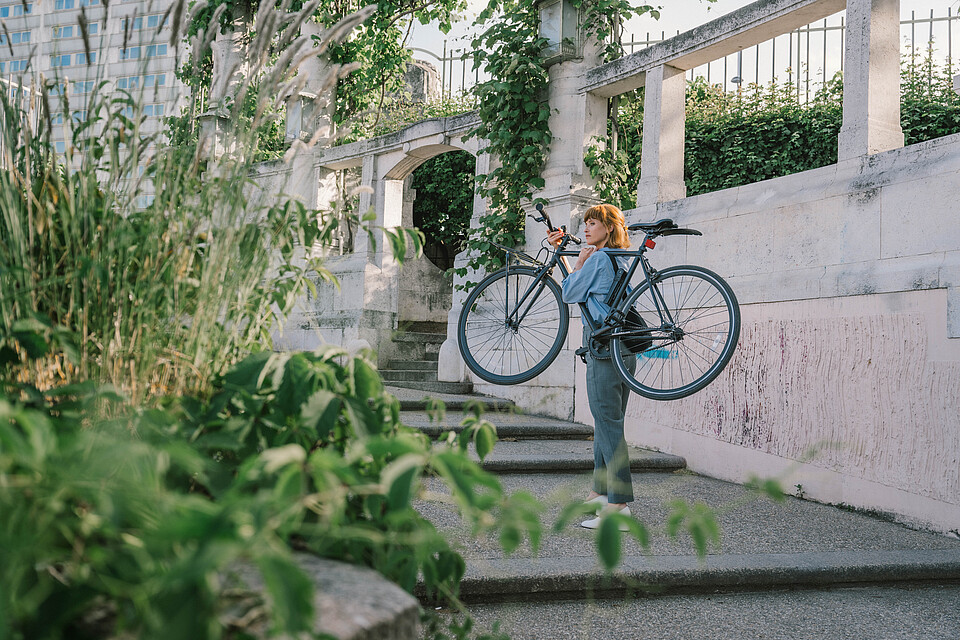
[(450, 367), (216, 131), (664, 119), (871, 79), (361, 243)]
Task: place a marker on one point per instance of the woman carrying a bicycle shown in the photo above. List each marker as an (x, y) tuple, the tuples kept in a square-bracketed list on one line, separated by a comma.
[(589, 282)]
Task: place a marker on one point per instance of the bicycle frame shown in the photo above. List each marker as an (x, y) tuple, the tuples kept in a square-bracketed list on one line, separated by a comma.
[(615, 317)]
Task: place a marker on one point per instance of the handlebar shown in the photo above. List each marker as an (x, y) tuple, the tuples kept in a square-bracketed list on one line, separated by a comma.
[(545, 219)]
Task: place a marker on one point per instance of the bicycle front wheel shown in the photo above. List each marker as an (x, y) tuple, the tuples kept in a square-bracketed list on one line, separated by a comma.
[(693, 334), (512, 326)]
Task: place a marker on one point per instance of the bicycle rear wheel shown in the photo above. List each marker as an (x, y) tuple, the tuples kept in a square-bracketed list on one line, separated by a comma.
[(691, 342), (512, 327)]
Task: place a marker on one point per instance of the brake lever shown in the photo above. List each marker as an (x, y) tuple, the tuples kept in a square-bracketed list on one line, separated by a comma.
[(570, 238)]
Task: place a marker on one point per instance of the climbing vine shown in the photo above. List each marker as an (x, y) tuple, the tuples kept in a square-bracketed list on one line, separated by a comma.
[(514, 113), (513, 120)]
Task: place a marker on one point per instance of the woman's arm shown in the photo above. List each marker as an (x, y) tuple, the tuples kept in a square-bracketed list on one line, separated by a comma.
[(555, 237)]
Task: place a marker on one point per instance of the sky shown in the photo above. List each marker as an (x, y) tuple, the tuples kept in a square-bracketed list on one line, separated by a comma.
[(759, 64), (681, 15)]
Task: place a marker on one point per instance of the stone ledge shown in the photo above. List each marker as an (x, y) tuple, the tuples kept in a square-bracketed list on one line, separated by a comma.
[(351, 602)]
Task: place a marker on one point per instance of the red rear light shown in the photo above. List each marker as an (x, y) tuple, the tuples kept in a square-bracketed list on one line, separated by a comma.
[(649, 244)]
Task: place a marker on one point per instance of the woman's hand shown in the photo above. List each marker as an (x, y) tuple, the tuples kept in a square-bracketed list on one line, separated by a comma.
[(585, 253), (555, 237)]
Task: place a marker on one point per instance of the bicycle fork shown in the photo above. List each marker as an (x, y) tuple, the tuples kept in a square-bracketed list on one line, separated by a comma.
[(514, 316)]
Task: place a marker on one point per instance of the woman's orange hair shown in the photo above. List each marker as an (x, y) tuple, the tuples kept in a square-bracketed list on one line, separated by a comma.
[(611, 218)]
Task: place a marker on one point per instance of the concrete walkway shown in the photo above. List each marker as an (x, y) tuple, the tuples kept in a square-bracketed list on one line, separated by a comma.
[(795, 569)]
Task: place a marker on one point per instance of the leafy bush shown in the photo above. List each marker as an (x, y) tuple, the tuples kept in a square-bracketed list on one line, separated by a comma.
[(133, 524)]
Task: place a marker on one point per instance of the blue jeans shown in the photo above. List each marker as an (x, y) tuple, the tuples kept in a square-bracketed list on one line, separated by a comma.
[(608, 397)]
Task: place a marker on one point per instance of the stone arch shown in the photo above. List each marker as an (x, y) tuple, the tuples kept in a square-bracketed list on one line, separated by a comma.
[(425, 291)]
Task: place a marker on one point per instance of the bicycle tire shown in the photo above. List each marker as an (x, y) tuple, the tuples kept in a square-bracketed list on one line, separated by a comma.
[(499, 352), (690, 353)]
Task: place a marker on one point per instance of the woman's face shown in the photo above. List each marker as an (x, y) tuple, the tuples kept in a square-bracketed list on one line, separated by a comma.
[(595, 233)]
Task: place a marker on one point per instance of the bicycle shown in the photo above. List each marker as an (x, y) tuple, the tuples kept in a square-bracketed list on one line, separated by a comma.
[(514, 322)]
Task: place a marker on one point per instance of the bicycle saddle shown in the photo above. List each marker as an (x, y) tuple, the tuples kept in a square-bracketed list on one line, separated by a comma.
[(654, 227)]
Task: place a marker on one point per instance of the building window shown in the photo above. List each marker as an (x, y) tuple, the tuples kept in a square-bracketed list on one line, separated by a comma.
[(156, 50), (18, 37), (18, 65), (60, 5), (156, 21), (62, 32), (60, 146), (153, 110), (130, 83), (79, 116), (130, 53), (15, 10), (60, 61), (57, 89), (87, 58), (84, 86), (56, 118), (89, 3)]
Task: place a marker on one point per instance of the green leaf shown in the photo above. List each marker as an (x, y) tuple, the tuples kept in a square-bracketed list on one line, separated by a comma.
[(400, 478), (289, 591), (608, 542), (320, 412), (484, 438)]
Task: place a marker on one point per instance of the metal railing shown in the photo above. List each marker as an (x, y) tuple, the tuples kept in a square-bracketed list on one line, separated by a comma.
[(805, 57)]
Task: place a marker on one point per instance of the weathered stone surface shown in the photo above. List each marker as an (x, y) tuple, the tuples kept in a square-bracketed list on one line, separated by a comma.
[(351, 602)]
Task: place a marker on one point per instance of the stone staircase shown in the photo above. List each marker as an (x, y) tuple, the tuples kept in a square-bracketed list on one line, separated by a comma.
[(415, 367), (855, 572)]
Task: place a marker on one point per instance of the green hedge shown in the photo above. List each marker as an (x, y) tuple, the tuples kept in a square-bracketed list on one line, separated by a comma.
[(736, 138)]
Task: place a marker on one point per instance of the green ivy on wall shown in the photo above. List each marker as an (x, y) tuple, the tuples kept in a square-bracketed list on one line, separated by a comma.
[(513, 121)]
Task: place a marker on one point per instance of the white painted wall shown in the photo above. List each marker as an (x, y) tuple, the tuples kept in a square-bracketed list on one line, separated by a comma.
[(846, 379)]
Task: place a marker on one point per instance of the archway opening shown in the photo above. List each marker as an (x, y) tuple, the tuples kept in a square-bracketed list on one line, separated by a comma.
[(443, 207)]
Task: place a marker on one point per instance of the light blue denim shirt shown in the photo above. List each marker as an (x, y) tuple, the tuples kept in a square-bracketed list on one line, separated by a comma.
[(592, 283)]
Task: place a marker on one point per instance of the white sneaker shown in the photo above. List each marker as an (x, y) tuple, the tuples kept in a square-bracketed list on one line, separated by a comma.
[(600, 501), (593, 523)]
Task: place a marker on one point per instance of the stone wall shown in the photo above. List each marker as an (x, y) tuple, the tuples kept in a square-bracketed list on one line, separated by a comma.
[(846, 375)]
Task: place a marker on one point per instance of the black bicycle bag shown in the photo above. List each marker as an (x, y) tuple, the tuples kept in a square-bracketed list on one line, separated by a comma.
[(634, 321)]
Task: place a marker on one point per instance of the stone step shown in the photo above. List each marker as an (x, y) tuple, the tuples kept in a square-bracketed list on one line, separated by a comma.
[(509, 425), (892, 611), (424, 326), (396, 375), (551, 578), (419, 337), (567, 456), (764, 545), (411, 365), (416, 399), (433, 388), (407, 349)]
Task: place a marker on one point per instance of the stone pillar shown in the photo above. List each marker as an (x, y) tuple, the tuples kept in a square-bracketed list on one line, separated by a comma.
[(664, 119), (216, 131), (310, 110), (576, 119), (362, 243), (450, 367), (871, 80)]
